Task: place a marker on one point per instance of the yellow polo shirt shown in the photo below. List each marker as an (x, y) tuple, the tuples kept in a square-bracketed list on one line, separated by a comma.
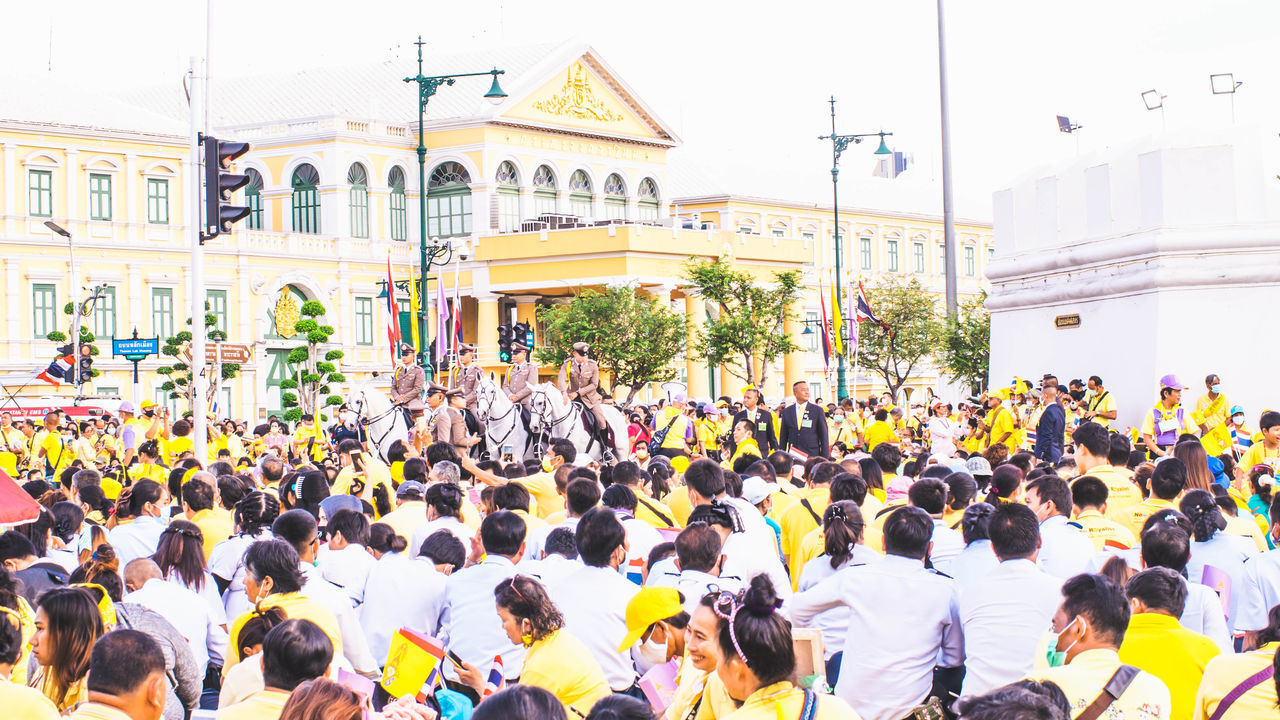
[(175, 446), (562, 665), (1102, 403), (57, 451), (1134, 517), (645, 507), (784, 700), (1103, 532), (1214, 412), (147, 471), (1149, 421), (1160, 645), (27, 703), (1003, 423), (1146, 698), (303, 435), (296, 607), (878, 432), (215, 525), (1260, 454), (262, 705), (694, 685), (799, 521), (1122, 492), (678, 501), (1224, 673), (542, 486)]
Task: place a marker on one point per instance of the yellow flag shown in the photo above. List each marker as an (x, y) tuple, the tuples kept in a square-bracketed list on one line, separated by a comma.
[(837, 327), (414, 312), (1217, 441)]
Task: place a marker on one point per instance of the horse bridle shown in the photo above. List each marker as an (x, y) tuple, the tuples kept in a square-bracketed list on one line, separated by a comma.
[(490, 395), (366, 422)]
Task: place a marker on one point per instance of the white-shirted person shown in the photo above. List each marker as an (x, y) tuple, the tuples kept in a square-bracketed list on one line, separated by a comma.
[(188, 614), (405, 587), (1065, 548), (469, 622)]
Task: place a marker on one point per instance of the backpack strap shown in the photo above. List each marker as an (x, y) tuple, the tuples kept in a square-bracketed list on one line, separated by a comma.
[(661, 516), (808, 506), (1238, 691), (810, 707), (1114, 688)]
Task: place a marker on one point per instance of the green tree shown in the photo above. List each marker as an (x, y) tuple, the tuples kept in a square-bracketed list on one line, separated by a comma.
[(913, 330), (179, 384), (316, 373), (634, 338), (965, 352), (746, 317)]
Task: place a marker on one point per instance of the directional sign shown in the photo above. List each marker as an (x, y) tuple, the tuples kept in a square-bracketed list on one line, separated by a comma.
[(237, 354), (135, 349)]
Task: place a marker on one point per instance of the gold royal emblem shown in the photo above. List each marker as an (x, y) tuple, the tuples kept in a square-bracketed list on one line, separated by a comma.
[(287, 314), (577, 100)]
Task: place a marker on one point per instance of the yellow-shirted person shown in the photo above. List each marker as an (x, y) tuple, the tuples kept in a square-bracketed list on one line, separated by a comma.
[(148, 466), (1089, 495), (542, 486), (1093, 451), (55, 449), (879, 431), (999, 424), (1164, 423), (1266, 452), (1212, 407), (1100, 405), (12, 447), (1229, 671), (308, 439)]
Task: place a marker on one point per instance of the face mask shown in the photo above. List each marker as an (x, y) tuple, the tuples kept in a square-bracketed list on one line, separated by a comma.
[(148, 413), (547, 466), (1056, 657), (654, 653), (1237, 419), (838, 418), (1215, 389), (111, 431), (1077, 395), (165, 512), (348, 417)]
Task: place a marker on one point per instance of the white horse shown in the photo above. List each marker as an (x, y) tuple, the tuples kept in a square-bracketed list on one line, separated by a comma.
[(502, 422), (383, 423), (556, 417)]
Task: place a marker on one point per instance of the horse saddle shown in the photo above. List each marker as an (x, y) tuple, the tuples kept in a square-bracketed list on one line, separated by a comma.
[(592, 425), (526, 417)]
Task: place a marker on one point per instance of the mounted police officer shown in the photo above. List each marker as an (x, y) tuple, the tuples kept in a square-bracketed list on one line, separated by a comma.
[(521, 376), (580, 380), (407, 384)]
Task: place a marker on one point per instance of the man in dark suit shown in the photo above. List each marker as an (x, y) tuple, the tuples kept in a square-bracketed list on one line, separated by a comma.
[(804, 426), (761, 421)]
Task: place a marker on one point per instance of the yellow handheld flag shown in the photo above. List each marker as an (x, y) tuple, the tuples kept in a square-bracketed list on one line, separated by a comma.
[(412, 661), (1217, 441), (414, 312)]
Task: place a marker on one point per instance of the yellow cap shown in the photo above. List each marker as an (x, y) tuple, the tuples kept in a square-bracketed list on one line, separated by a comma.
[(647, 607), (147, 403), (680, 463)]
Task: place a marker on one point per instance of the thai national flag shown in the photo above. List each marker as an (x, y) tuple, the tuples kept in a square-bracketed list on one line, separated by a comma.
[(864, 310), (56, 372), (496, 680), (393, 314)]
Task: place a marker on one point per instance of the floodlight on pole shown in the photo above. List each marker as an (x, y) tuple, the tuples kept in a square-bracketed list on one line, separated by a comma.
[(1154, 100), (1066, 126), (1226, 84)]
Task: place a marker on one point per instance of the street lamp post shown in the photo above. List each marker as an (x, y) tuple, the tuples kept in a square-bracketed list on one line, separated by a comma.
[(429, 254), (840, 143), (75, 298)]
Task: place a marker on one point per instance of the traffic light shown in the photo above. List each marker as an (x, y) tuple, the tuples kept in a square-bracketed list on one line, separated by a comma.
[(219, 214), (504, 343), (524, 334), (85, 370)]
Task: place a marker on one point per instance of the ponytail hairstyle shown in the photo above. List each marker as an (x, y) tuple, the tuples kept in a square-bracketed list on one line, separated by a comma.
[(446, 499), (255, 512), (383, 539), (103, 569), (180, 554), (255, 629), (973, 525), (1262, 481), (381, 501), (1005, 481), (1202, 511), (752, 630), (842, 527)]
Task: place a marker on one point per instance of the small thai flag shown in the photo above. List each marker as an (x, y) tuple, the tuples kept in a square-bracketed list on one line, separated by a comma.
[(496, 679)]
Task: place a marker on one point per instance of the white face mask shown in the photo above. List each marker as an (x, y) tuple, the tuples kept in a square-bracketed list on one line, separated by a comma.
[(111, 431), (348, 417), (1237, 419), (654, 653)]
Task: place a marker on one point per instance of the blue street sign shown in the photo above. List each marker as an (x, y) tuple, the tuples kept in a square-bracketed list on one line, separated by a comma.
[(135, 349)]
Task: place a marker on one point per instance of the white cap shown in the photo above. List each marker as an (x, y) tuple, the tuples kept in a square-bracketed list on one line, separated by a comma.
[(755, 489)]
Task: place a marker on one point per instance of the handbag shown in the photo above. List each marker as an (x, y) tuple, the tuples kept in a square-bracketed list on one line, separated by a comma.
[(659, 437), (1238, 691)]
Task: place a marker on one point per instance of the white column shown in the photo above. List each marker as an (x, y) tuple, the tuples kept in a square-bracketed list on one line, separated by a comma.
[(12, 307), (10, 198), (71, 203), (248, 379), (132, 191)]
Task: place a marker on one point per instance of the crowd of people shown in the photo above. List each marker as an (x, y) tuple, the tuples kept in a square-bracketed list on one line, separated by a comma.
[(1017, 557)]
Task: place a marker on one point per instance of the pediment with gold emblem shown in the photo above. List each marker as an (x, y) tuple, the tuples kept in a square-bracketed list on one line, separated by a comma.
[(586, 96)]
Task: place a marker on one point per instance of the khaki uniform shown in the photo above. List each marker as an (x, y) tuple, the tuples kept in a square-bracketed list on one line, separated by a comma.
[(468, 381), (407, 385), (520, 381), (448, 426), (584, 378)]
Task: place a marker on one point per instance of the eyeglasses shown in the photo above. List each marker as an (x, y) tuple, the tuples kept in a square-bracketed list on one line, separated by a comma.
[(726, 607)]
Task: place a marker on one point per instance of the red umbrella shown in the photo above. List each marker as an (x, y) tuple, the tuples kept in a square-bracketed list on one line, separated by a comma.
[(16, 506)]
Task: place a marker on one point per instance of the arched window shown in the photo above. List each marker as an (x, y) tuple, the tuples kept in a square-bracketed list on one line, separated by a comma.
[(253, 198), (580, 194), (449, 201), (399, 218), (508, 198), (358, 179), (648, 195), (615, 198), (306, 199), (544, 191)]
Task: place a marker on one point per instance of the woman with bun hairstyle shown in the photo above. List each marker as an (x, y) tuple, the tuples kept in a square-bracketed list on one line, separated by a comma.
[(253, 517), (1212, 547), (755, 659), (842, 528), (402, 587), (977, 557)]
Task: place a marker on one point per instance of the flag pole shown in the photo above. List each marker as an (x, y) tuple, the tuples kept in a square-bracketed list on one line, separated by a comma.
[(857, 338)]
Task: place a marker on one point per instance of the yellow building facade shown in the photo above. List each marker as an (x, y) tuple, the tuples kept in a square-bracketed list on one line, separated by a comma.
[(563, 185)]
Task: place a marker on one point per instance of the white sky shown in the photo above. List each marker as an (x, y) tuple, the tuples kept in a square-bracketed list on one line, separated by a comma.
[(744, 84)]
